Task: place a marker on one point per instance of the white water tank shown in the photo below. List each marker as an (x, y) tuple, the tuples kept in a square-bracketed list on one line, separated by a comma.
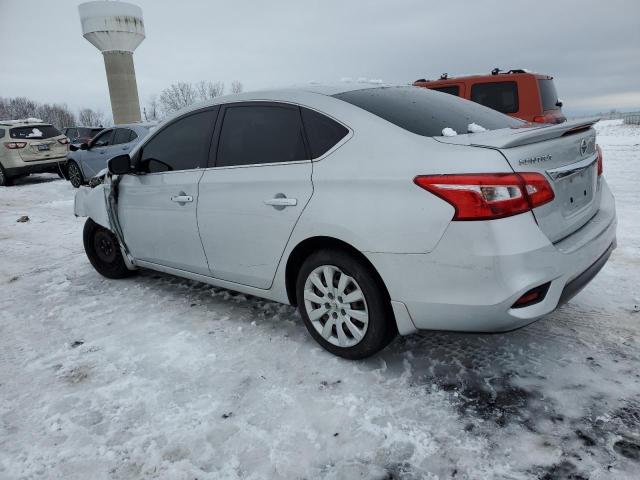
[(116, 29)]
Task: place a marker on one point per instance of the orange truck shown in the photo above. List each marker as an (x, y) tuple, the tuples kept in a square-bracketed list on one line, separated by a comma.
[(518, 93)]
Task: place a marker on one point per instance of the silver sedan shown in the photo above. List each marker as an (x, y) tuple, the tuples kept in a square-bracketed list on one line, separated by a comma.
[(376, 210)]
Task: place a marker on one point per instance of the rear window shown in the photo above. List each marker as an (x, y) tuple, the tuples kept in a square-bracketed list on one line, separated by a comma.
[(37, 132), (451, 90), (548, 95), (426, 113), (501, 96)]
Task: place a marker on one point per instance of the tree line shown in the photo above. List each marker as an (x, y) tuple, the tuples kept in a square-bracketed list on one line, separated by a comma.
[(183, 94), (170, 100)]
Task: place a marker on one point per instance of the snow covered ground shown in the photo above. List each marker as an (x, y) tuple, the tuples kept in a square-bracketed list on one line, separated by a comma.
[(158, 377)]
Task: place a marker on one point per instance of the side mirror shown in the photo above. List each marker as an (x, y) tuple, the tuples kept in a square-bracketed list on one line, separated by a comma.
[(559, 103), (84, 146), (73, 147), (119, 165)]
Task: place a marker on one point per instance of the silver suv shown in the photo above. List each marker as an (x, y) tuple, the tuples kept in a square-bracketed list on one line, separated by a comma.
[(376, 211), (30, 146)]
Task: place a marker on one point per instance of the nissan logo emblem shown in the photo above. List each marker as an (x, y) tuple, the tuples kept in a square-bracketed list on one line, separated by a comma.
[(583, 146)]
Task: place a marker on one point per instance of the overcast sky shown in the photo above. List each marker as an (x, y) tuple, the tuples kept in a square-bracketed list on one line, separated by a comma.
[(591, 47)]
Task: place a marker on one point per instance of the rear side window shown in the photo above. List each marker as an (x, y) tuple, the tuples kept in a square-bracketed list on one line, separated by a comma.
[(322, 132), (182, 145), (424, 112), (451, 90), (255, 134), (1, 132), (34, 133), (122, 136), (132, 135), (501, 96), (548, 95)]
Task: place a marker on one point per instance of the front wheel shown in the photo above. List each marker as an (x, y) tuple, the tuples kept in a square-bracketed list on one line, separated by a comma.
[(75, 174), (343, 304), (103, 250)]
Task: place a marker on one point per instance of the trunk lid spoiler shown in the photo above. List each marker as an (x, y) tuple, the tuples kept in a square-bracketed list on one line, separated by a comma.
[(517, 137)]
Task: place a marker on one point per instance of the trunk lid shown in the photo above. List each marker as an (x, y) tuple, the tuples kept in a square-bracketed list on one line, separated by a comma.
[(42, 142), (565, 154)]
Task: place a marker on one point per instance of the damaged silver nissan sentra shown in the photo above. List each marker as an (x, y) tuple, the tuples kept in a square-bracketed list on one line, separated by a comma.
[(375, 210)]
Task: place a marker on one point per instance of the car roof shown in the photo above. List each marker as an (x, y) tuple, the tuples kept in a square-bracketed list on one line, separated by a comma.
[(24, 122), (483, 76)]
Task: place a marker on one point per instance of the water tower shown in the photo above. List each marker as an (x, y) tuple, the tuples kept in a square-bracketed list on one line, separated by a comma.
[(116, 29)]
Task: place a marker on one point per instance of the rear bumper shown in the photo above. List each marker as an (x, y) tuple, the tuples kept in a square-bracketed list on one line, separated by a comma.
[(49, 165), (478, 270)]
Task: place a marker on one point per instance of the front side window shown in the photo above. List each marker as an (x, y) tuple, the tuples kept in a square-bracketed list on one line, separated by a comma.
[(501, 96), (122, 135), (182, 145), (103, 140), (254, 134), (322, 132), (1, 132)]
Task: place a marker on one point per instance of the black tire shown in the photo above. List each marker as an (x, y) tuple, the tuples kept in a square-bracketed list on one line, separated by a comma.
[(381, 327), (5, 180), (75, 174), (103, 250)]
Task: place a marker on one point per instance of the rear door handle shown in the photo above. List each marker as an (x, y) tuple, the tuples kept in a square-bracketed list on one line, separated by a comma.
[(282, 202), (182, 198)]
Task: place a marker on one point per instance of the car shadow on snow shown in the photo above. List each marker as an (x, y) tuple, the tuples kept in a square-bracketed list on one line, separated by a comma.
[(35, 179), (499, 384)]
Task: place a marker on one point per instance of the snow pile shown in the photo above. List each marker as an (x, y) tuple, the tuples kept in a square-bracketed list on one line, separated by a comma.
[(35, 133), (449, 132), (22, 120), (475, 128)]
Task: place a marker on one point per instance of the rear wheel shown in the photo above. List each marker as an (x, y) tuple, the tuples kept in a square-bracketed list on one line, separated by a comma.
[(343, 304), (5, 180), (75, 174), (103, 250)]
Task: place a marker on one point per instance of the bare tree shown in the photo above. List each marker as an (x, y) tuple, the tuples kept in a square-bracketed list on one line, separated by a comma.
[(177, 96), (208, 90), (152, 109), (58, 115), (236, 86), (16, 108), (90, 118)]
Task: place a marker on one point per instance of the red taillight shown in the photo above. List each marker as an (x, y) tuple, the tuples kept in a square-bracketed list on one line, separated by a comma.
[(599, 150), (14, 145), (63, 140), (539, 119), (487, 196)]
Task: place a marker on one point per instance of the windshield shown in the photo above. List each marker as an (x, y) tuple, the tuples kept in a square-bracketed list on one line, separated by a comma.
[(426, 112)]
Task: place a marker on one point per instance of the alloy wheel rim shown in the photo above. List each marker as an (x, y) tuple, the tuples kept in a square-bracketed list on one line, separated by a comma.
[(74, 174), (336, 306)]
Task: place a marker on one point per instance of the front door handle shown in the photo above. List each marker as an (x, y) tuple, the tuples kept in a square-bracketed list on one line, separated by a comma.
[(182, 198), (282, 202)]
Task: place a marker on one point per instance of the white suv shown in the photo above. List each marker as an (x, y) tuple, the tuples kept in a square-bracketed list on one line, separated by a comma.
[(374, 210), (30, 146)]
